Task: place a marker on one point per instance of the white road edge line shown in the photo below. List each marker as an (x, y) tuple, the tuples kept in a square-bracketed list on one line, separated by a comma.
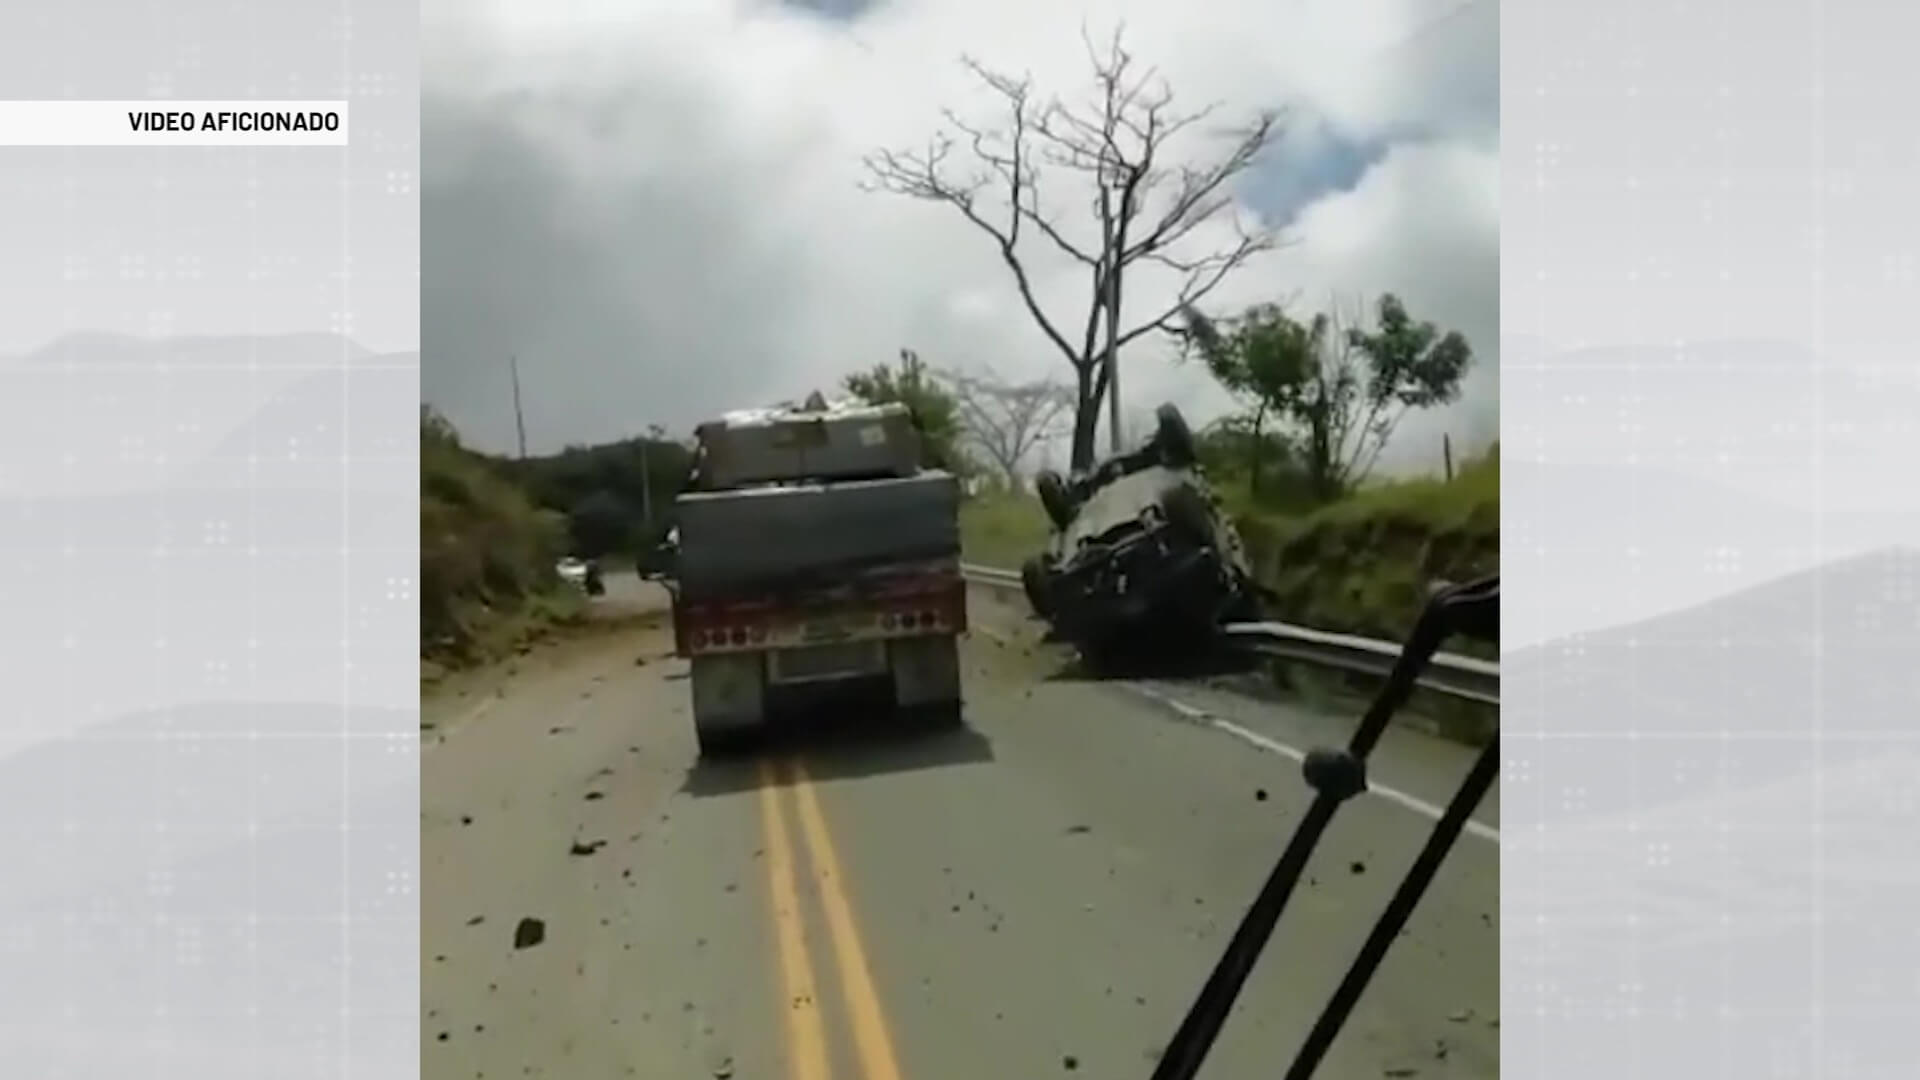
[(1253, 738), (1273, 746)]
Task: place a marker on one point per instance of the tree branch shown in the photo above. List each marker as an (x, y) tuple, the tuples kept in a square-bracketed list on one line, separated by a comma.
[(922, 176), (1144, 205), (1200, 194), (1203, 276)]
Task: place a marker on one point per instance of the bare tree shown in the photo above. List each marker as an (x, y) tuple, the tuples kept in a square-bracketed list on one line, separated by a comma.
[(1007, 420), (1145, 207)]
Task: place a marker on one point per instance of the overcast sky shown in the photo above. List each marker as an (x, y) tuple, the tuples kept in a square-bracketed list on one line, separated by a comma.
[(654, 206)]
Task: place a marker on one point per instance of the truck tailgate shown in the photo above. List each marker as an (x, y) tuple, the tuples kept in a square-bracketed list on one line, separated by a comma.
[(741, 541)]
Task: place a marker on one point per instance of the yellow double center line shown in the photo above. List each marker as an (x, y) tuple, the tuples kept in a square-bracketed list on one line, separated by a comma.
[(806, 1032)]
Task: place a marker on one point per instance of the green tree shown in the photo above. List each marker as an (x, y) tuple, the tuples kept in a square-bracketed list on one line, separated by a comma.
[(436, 430), (934, 407), (1339, 388), (639, 474), (1248, 448), (602, 523)]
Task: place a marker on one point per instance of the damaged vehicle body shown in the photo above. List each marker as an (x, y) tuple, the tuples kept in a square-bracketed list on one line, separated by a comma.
[(1141, 560)]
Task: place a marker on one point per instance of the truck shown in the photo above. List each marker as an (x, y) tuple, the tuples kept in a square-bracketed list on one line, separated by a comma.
[(816, 564)]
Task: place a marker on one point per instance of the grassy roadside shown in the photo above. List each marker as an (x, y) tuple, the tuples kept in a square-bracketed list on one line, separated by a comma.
[(1001, 529), (488, 587), (1361, 566)]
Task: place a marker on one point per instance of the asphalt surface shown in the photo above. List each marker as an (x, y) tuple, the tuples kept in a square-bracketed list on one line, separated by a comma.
[(1040, 894)]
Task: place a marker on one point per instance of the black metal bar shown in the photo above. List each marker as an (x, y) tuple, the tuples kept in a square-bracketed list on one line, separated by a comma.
[(1337, 775), (1398, 910)]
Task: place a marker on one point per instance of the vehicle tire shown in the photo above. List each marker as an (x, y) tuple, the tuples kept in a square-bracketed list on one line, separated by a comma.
[(940, 716), (1035, 579), (1188, 513), (1054, 498), (723, 743), (1174, 438)]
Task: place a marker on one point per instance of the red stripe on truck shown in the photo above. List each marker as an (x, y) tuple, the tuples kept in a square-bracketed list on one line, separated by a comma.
[(929, 605)]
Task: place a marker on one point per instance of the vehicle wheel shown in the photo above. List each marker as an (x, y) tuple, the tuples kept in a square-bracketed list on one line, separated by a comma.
[(1054, 498), (1174, 437), (939, 716), (719, 743), (1034, 578), (1188, 513)]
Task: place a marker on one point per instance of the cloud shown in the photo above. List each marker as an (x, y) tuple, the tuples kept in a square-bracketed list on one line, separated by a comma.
[(656, 209)]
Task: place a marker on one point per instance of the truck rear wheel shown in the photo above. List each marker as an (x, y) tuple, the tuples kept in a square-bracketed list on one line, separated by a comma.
[(722, 742)]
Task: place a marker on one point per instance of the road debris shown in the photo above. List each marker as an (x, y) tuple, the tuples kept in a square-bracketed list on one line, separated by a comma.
[(529, 933)]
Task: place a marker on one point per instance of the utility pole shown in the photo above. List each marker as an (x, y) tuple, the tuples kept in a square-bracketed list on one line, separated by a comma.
[(646, 485), (519, 418), (655, 433)]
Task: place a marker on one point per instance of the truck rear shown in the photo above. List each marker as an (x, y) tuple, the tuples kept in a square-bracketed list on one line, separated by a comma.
[(818, 566)]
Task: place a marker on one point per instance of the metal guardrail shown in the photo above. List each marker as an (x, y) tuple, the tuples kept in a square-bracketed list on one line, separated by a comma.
[(1449, 673), (1463, 677), (991, 575)]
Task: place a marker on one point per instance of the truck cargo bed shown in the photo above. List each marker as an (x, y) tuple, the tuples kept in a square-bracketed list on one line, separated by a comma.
[(765, 537)]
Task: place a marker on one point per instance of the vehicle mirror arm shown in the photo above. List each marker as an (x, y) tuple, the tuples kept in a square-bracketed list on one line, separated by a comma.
[(1337, 775)]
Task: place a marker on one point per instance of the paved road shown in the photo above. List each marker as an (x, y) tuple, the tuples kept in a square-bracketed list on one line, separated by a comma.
[(1039, 895)]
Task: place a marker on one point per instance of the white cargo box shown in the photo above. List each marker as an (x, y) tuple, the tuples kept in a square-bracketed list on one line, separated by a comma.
[(821, 441)]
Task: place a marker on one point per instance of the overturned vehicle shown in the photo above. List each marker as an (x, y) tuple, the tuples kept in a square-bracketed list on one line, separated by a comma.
[(1141, 560)]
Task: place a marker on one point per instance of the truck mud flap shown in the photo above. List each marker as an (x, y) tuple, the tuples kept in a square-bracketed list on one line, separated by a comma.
[(729, 698), (1337, 775), (926, 673)]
